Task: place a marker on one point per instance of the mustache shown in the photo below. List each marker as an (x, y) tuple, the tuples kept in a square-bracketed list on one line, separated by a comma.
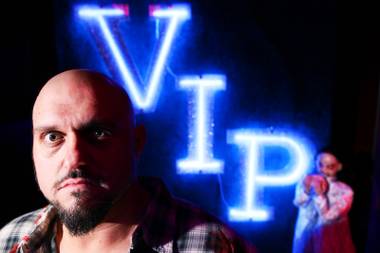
[(78, 173)]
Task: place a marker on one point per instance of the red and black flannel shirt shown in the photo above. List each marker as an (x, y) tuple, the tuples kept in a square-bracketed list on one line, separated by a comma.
[(170, 226)]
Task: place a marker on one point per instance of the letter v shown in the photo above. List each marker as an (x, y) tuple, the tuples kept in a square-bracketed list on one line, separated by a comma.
[(175, 14)]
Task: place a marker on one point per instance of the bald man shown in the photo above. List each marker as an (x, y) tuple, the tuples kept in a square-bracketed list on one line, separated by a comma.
[(85, 149)]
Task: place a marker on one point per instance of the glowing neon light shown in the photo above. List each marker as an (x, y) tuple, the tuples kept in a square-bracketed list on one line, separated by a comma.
[(200, 158), (175, 15), (99, 13), (290, 174), (180, 11)]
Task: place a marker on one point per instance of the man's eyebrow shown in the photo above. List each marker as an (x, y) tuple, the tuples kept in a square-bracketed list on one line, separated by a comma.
[(41, 129), (97, 123), (83, 127)]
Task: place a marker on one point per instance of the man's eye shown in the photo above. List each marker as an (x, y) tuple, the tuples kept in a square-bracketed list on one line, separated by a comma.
[(101, 134), (53, 137)]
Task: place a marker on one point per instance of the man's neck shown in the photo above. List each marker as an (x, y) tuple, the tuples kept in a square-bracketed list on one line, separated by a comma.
[(115, 232)]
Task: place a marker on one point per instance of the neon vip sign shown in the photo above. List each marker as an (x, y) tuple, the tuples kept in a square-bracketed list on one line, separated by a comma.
[(200, 156)]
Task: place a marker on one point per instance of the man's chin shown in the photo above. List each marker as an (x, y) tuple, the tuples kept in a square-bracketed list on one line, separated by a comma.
[(83, 215)]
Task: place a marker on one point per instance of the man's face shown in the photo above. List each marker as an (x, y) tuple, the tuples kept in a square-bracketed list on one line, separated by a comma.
[(83, 144), (328, 165)]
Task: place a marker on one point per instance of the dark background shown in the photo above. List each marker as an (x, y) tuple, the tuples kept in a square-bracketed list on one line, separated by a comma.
[(310, 66)]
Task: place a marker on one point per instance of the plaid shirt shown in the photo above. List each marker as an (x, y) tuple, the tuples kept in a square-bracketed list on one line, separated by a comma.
[(170, 225)]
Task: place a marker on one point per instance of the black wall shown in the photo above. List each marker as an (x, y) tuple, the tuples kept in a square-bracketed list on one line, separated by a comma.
[(323, 58)]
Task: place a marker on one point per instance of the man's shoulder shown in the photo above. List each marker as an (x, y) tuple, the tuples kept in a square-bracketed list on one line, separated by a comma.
[(175, 212), (13, 232), (199, 230), (190, 226)]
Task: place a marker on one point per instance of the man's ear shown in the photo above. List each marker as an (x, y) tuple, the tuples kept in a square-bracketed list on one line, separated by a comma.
[(140, 140)]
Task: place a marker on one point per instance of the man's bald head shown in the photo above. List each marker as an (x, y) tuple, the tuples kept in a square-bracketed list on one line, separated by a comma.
[(81, 82)]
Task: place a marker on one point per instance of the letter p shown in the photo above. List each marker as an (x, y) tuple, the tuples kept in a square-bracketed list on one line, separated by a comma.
[(257, 176)]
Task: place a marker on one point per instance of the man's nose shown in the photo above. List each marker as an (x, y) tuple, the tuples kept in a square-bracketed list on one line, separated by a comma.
[(75, 152)]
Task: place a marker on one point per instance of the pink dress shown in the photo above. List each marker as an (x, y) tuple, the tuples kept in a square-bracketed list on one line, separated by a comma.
[(322, 225)]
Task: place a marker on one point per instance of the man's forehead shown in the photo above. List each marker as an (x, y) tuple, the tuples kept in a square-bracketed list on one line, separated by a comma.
[(61, 117)]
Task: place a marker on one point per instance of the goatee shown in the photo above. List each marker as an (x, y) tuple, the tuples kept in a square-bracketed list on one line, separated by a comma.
[(81, 218)]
